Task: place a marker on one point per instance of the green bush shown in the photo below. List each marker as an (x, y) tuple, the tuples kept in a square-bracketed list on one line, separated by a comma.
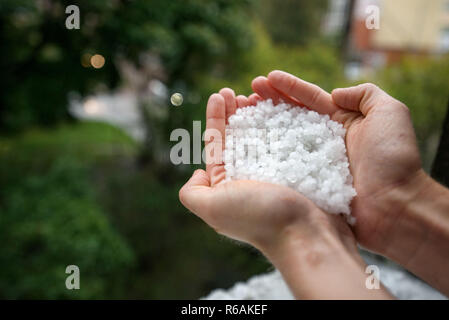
[(49, 219), (55, 212), (422, 84), (86, 141), (178, 255), (316, 63)]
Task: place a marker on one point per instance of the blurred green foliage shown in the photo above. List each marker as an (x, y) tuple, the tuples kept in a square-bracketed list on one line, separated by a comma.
[(49, 221), (87, 141), (76, 193), (423, 85), (179, 257), (42, 63), (293, 22), (74, 196), (317, 63), (49, 217)]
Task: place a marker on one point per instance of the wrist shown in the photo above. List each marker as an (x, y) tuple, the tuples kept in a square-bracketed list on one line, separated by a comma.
[(419, 237), (312, 230), (311, 245), (325, 270), (322, 265), (406, 209)]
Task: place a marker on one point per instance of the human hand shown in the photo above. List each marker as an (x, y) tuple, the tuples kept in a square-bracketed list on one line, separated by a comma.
[(315, 251), (381, 147), (262, 214)]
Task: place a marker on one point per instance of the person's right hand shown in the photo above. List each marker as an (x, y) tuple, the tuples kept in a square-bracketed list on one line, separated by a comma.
[(381, 147)]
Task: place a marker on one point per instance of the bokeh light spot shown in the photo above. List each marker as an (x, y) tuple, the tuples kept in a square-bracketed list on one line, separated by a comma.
[(176, 99), (85, 60), (92, 106), (97, 61)]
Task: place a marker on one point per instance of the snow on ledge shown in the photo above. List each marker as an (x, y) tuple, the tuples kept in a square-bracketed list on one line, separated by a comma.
[(271, 286)]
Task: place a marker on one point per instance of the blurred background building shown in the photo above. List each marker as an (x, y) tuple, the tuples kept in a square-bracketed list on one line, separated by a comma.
[(407, 27)]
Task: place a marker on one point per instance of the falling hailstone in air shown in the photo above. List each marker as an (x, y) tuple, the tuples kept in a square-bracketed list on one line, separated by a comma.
[(176, 99)]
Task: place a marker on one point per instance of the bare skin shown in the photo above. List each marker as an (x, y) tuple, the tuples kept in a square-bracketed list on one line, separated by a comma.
[(316, 252), (401, 212)]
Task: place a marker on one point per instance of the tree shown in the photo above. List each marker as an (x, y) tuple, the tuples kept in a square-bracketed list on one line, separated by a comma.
[(293, 22), (41, 64), (49, 221)]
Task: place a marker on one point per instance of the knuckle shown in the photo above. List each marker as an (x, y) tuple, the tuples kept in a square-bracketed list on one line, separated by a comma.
[(315, 96), (370, 86), (291, 84), (396, 106)]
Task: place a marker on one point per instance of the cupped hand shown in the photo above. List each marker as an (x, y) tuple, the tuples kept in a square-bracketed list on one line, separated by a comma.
[(380, 141), (265, 215)]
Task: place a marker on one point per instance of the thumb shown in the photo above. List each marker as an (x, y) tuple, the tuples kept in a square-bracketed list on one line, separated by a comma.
[(195, 194), (362, 98)]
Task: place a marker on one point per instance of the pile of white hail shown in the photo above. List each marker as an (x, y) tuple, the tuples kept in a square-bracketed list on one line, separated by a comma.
[(294, 147)]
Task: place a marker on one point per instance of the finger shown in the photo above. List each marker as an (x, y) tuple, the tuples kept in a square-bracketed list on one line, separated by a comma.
[(310, 94), (196, 192), (219, 174), (254, 98), (230, 103), (242, 101), (262, 86), (361, 98), (215, 132)]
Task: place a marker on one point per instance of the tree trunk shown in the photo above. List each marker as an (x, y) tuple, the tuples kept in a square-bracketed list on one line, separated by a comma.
[(440, 167), (346, 42)]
